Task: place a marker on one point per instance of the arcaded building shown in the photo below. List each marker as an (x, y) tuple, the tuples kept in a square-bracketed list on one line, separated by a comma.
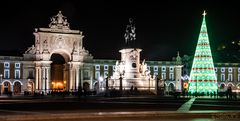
[(58, 61)]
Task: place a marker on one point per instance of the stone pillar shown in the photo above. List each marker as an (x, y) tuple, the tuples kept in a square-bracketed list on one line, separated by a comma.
[(178, 74), (43, 79), (48, 78), (12, 86), (74, 75), (81, 73), (42, 75), (77, 77), (38, 78), (70, 76)]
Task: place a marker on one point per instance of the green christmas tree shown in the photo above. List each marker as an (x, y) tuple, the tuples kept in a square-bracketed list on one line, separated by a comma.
[(202, 76)]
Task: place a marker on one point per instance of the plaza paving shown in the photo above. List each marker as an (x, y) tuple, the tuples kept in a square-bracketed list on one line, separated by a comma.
[(117, 108)]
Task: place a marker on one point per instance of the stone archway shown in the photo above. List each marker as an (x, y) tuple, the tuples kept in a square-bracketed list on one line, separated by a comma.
[(86, 86), (30, 87), (58, 39), (17, 88), (95, 86), (222, 86), (6, 87), (59, 72), (171, 87)]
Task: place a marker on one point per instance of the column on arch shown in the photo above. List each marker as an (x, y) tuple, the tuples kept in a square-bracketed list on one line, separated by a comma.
[(73, 75), (38, 78)]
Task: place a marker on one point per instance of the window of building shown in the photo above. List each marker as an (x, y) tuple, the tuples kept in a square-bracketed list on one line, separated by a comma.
[(239, 70), (229, 77), (171, 69), (97, 67), (105, 74), (238, 77), (6, 65), (222, 77), (155, 68), (155, 74), (229, 69), (105, 67), (17, 74), (163, 75), (163, 68), (171, 76), (6, 73), (222, 69), (17, 65), (97, 75)]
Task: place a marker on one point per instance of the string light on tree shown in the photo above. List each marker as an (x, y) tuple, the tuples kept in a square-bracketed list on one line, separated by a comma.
[(202, 76)]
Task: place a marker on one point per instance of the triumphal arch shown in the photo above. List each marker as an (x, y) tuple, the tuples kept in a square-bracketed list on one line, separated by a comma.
[(57, 59)]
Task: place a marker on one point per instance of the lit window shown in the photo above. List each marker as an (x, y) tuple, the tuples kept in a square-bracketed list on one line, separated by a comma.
[(163, 68), (6, 73), (229, 77), (222, 69), (105, 67), (17, 65), (171, 76), (97, 67), (17, 74), (97, 75), (163, 75), (155, 74), (222, 77), (239, 70), (171, 69), (155, 68), (229, 69), (6, 64)]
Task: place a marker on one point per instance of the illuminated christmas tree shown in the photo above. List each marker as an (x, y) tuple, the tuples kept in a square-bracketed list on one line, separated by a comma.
[(202, 76)]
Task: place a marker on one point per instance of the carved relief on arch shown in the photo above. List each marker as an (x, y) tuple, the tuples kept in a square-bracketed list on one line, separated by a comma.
[(59, 42)]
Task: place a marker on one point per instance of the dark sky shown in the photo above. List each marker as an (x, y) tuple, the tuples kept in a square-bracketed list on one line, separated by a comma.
[(163, 27)]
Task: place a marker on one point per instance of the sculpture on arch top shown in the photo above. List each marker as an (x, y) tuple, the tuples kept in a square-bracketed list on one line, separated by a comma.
[(59, 22)]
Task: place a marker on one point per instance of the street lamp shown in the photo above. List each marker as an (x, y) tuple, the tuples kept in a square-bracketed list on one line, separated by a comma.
[(106, 84)]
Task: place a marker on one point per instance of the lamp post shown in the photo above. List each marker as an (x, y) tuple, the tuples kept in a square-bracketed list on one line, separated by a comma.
[(120, 85), (122, 71), (106, 84)]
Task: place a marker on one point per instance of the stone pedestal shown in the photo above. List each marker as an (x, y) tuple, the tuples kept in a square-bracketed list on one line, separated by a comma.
[(131, 59), (133, 73)]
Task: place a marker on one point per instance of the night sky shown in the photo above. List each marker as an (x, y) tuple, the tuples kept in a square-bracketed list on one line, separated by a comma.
[(162, 27)]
